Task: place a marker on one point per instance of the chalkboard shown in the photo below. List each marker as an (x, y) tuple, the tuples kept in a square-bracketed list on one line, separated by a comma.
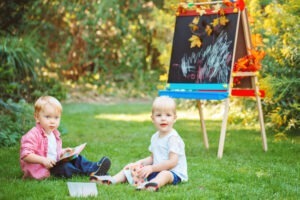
[(204, 71), (212, 62)]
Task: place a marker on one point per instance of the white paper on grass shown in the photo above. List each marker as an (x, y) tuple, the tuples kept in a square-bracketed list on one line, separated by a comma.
[(77, 189)]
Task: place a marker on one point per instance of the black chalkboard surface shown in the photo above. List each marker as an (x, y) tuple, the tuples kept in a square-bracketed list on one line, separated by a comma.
[(210, 63)]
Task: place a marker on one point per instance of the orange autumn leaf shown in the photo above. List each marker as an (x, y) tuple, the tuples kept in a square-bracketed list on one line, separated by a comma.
[(180, 10), (195, 41), (223, 20), (193, 27), (222, 12), (251, 62), (194, 24), (241, 64), (257, 55), (208, 30), (196, 20), (215, 22)]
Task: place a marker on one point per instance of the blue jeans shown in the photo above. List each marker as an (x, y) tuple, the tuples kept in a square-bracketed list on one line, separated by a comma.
[(79, 165), (176, 178)]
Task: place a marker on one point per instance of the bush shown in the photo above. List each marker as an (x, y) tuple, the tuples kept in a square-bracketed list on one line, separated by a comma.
[(16, 119), (21, 74), (278, 23)]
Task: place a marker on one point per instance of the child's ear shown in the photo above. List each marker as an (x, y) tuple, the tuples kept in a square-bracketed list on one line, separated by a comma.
[(36, 118)]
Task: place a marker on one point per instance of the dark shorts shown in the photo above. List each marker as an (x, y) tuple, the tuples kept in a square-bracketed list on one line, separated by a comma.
[(176, 179)]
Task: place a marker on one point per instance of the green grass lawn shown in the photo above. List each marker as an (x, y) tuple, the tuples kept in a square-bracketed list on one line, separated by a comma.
[(122, 132)]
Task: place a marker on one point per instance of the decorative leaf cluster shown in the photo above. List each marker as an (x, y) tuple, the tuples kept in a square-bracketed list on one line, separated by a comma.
[(248, 63), (183, 7), (221, 20)]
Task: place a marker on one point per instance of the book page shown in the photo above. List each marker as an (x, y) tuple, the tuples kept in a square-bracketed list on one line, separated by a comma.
[(74, 153)]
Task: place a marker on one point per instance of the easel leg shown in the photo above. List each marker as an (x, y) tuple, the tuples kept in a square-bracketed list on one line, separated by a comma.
[(223, 129), (260, 115), (204, 133)]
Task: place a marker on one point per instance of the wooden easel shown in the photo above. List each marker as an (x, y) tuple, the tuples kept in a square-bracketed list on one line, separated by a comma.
[(200, 93)]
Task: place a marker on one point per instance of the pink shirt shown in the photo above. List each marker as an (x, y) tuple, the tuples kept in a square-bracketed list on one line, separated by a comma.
[(35, 141)]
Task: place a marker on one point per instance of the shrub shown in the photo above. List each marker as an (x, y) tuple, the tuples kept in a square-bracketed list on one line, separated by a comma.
[(278, 23), (16, 119)]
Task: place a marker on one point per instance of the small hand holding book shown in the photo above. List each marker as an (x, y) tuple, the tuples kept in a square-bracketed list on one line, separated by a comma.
[(72, 153), (131, 173)]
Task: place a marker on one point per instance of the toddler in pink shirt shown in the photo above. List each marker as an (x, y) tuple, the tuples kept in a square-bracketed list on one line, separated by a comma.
[(41, 147)]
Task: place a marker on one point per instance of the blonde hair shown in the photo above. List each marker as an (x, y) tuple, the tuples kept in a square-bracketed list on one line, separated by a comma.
[(44, 100), (164, 103)]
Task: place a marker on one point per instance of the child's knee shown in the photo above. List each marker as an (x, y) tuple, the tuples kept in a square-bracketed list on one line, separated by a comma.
[(167, 176), (166, 173)]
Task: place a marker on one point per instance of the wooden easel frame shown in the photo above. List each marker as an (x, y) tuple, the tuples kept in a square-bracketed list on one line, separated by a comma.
[(200, 93), (254, 81)]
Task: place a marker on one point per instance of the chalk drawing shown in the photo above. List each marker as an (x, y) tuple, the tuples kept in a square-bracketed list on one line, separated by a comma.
[(211, 64)]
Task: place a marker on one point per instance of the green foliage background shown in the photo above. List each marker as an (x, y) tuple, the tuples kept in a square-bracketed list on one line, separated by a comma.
[(120, 48), (278, 23)]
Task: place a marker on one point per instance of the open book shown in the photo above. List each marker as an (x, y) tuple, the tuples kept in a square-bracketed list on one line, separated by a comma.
[(70, 155)]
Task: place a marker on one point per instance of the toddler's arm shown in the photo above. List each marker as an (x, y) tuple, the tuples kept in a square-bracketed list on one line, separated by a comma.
[(142, 162), (33, 158), (145, 161), (165, 165)]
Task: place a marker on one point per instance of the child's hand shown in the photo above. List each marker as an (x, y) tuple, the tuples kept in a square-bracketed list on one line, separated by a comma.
[(129, 166), (145, 171), (66, 150), (49, 163)]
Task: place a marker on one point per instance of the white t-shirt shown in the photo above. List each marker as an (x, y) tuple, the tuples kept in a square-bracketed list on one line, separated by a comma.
[(52, 146), (161, 147)]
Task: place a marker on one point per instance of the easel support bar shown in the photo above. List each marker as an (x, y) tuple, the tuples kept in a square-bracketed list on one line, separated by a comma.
[(204, 133)]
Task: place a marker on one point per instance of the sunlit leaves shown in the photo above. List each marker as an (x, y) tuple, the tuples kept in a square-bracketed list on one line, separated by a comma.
[(163, 77), (257, 40), (195, 41)]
